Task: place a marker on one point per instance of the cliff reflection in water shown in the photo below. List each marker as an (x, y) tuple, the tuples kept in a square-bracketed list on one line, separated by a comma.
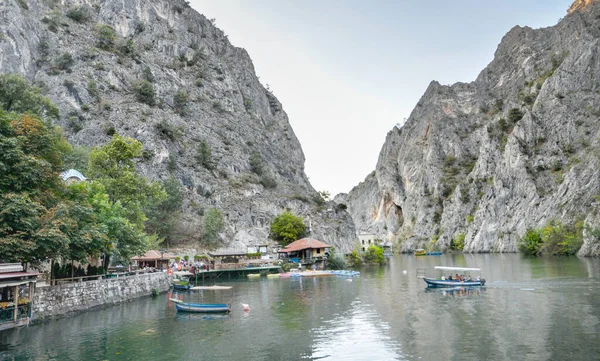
[(530, 309)]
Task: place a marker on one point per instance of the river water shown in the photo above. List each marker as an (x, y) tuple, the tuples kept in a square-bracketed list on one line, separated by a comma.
[(530, 309)]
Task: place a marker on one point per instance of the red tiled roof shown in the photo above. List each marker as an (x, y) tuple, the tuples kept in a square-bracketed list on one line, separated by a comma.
[(153, 255), (304, 243)]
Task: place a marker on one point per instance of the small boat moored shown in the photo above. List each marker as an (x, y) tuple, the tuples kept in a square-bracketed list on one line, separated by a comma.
[(201, 307), (462, 280)]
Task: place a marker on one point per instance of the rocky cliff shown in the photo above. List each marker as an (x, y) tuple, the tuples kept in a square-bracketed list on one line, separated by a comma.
[(158, 71), (488, 159)]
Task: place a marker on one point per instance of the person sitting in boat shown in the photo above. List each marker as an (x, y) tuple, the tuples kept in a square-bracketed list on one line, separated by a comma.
[(478, 278), (450, 278), (458, 278)]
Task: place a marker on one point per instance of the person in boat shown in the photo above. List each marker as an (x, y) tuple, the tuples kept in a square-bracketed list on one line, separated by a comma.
[(478, 278), (458, 278), (450, 278)]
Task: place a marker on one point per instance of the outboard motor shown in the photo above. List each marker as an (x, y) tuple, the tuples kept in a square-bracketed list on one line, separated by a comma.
[(483, 281)]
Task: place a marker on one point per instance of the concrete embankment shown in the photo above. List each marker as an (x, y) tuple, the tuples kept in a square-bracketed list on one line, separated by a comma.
[(60, 300)]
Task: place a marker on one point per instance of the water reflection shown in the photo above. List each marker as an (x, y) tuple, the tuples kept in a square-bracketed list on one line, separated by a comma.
[(345, 337), (530, 309)]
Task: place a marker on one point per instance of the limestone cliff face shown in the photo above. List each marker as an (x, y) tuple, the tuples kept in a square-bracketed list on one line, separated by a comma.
[(579, 5), (488, 159), (205, 89)]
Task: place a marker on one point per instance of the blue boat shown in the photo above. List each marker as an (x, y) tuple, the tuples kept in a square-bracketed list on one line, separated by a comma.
[(434, 253), (201, 307), (443, 281)]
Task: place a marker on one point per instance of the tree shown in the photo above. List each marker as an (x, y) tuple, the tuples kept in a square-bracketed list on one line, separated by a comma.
[(256, 163), (180, 99), (287, 228), (374, 254), (531, 243), (144, 93), (213, 224), (129, 195), (163, 217), (105, 36), (204, 156), (17, 95)]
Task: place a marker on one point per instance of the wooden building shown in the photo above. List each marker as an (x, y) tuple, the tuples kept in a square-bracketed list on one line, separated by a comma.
[(154, 259), (305, 251)]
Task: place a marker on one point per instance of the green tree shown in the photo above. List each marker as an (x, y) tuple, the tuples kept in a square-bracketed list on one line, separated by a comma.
[(180, 99), (287, 228), (17, 95), (374, 254), (256, 163), (531, 242), (129, 194), (204, 156), (145, 93), (163, 218), (212, 225), (105, 36), (36, 221)]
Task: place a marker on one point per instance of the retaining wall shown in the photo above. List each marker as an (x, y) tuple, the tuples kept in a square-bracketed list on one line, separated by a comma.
[(52, 301)]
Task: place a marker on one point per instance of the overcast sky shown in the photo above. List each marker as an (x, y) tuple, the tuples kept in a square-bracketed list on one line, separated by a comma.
[(347, 71)]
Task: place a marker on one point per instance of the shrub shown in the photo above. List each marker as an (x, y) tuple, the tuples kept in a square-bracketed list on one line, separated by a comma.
[(562, 239), (458, 243), (172, 163), (204, 156), (64, 62), (168, 131), (92, 88), (300, 197), (355, 259), (78, 14), (180, 99), (449, 160), (105, 36), (256, 163), (531, 243), (155, 292), (470, 218), (341, 207), (318, 199), (374, 254), (268, 182), (144, 93), (514, 115), (336, 261), (148, 74)]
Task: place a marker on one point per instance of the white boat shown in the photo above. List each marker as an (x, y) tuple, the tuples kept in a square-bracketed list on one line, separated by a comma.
[(453, 281)]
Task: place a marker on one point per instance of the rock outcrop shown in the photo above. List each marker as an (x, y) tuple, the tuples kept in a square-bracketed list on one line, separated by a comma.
[(158, 71), (486, 160)]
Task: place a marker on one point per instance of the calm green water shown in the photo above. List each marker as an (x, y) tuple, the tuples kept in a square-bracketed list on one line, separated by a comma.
[(530, 309)]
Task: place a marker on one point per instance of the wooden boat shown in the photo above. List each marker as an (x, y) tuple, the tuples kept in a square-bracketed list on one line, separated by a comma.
[(445, 282), (201, 307), (420, 252)]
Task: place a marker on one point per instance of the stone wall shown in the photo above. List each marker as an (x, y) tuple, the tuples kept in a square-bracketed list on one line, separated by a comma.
[(63, 299)]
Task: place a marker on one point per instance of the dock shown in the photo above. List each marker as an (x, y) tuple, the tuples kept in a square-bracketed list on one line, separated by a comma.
[(233, 273)]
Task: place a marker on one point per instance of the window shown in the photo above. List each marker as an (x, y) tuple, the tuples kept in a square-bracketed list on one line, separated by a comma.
[(318, 250), (363, 242)]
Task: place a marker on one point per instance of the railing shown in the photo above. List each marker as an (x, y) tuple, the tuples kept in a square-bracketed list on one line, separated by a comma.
[(8, 314), (59, 281)]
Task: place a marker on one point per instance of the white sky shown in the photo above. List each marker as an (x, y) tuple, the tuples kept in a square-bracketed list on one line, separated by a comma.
[(346, 71)]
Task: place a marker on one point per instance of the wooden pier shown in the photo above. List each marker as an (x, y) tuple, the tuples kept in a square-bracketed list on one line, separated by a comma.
[(229, 274)]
